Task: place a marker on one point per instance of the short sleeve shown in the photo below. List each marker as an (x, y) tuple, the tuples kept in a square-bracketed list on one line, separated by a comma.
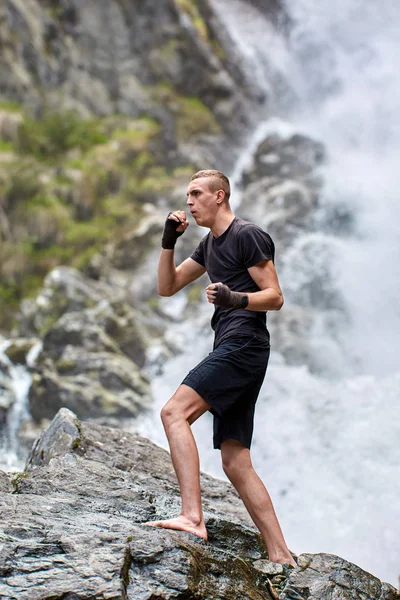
[(256, 245), (198, 253)]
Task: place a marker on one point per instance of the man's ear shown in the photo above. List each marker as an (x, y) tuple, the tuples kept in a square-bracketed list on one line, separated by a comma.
[(220, 196)]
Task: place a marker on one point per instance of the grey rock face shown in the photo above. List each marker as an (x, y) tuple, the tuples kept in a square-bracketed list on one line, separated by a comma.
[(283, 178), (105, 57), (325, 577), (93, 350), (73, 528)]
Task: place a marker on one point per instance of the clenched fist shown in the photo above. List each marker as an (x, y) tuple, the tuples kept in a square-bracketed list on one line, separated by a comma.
[(221, 295), (175, 224)]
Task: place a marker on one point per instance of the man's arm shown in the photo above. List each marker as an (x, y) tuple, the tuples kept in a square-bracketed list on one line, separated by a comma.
[(171, 279), (268, 298)]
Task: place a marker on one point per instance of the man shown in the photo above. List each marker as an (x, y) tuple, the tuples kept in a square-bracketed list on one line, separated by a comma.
[(239, 259)]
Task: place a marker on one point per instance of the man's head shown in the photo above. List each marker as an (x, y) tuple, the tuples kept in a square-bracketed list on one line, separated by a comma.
[(208, 194), (216, 180)]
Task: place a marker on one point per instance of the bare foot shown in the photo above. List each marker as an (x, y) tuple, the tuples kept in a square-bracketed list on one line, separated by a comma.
[(181, 523)]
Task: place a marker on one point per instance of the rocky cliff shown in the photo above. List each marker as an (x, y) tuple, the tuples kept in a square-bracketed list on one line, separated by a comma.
[(71, 527), (105, 110)]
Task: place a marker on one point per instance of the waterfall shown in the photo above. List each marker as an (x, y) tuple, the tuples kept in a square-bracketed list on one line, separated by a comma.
[(18, 384), (327, 448)]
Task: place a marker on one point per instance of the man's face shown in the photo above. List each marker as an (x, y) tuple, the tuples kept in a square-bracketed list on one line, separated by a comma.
[(202, 202)]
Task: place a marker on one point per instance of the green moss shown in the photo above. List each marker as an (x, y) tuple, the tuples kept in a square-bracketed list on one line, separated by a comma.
[(83, 259), (64, 366), (192, 10), (194, 118), (6, 146), (31, 285), (17, 479), (42, 200), (23, 182), (58, 132), (97, 231), (10, 106), (137, 136), (47, 323), (119, 208), (75, 163)]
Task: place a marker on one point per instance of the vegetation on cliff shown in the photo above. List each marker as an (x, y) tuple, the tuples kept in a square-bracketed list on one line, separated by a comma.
[(70, 185)]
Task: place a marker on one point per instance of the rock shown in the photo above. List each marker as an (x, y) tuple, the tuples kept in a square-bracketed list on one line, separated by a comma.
[(93, 350), (322, 576), (9, 125), (73, 528), (295, 157), (92, 384), (18, 349), (64, 290), (5, 484), (108, 57), (283, 179)]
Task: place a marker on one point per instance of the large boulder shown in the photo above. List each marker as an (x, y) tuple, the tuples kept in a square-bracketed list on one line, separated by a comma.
[(73, 528), (93, 349)]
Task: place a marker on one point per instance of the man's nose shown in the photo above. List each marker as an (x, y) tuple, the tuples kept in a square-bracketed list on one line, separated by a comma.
[(189, 201)]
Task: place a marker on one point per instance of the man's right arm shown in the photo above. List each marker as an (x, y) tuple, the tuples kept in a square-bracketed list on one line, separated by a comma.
[(171, 279)]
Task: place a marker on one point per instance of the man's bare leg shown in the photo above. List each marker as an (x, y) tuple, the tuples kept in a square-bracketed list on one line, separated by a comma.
[(237, 465), (178, 414)]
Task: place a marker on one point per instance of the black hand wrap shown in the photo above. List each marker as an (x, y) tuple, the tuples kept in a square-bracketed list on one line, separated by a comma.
[(227, 299), (170, 235)]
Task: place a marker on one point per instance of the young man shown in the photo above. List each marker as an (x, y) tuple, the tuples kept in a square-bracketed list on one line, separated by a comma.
[(239, 259)]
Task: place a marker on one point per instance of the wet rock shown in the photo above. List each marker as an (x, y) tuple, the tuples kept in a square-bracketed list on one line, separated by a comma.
[(74, 528), (18, 349)]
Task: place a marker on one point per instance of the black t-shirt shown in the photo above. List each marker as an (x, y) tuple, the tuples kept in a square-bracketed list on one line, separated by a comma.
[(226, 259)]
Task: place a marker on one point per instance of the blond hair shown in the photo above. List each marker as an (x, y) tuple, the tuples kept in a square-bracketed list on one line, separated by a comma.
[(218, 181)]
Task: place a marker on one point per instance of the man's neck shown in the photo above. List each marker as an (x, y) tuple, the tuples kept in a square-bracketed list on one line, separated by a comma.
[(222, 223)]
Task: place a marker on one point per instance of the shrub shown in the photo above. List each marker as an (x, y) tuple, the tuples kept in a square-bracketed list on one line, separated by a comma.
[(58, 132)]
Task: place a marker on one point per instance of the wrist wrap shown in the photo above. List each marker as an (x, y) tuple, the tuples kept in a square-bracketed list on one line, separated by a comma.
[(170, 235), (228, 299)]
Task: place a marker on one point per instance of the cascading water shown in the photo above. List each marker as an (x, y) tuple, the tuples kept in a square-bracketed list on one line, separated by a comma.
[(328, 448), (18, 382)]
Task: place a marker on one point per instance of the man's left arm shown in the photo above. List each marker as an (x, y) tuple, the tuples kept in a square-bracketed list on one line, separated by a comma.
[(269, 297)]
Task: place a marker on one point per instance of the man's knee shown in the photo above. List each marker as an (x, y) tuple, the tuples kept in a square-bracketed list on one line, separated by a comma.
[(170, 413), (184, 405), (235, 459)]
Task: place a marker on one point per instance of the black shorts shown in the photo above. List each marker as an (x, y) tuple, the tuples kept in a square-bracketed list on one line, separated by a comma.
[(229, 379)]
